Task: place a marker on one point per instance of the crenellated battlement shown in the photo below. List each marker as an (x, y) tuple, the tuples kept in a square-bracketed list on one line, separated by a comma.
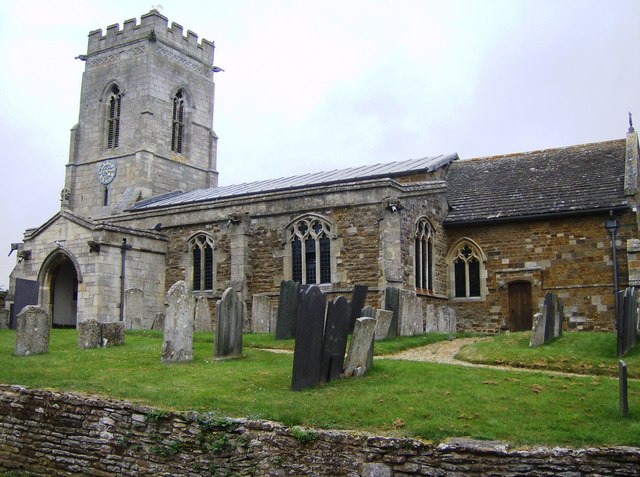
[(153, 26)]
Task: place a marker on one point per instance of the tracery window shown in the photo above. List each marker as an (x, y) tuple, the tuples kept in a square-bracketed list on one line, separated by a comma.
[(177, 132), (467, 269), (201, 247), (423, 268), (310, 240), (114, 104)]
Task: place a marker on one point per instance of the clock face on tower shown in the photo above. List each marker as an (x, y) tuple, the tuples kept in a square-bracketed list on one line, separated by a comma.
[(107, 172)]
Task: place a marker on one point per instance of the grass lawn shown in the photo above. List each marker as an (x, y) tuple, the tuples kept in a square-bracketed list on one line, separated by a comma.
[(426, 400)]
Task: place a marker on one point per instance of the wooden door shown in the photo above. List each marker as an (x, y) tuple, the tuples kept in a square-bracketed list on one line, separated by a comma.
[(520, 311)]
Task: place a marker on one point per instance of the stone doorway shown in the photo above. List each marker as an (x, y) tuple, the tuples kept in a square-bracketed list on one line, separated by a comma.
[(60, 290), (520, 310)]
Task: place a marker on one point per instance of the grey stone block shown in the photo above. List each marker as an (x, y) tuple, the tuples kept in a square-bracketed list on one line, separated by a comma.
[(33, 327), (178, 324)]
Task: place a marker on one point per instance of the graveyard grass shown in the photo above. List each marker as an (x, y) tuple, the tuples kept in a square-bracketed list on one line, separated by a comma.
[(426, 400)]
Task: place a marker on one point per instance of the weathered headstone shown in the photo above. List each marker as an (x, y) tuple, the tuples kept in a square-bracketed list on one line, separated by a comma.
[(158, 322), (178, 324), (134, 309), (112, 333), (307, 354), (392, 303), (383, 321), (202, 320), (624, 398), (368, 311), (261, 314), (358, 298), (335, 339), (287, 309), (549, 314), (32, 331), (228, 342), (410, 320), (4, 319), (559, 318), (89, 334), (627, 330), (358, 357), (537, 330)]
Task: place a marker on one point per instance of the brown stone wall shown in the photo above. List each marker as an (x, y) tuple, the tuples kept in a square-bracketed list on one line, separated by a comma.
[(571, 257), (47, 433)]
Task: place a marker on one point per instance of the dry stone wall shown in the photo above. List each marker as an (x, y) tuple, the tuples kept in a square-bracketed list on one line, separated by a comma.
[(48, 433)]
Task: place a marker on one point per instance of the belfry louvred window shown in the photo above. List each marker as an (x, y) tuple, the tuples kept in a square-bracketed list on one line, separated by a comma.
[(113, 117), (310, 251), (201, 247), (177, 133)]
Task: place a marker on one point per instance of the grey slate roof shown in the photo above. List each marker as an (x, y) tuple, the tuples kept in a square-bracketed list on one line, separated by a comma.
[(376, 171), (567, 180)]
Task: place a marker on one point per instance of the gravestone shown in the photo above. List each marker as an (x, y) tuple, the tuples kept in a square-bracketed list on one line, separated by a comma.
[(392, 303), (383, 322), (287, 309), (89, 334), (178, 324), (335, 339), (112, 333), (307, 354), (228, 342), (261, 314), (550, 315), (32, 331), (410, 321), (358, 357), (357, 303), (557, 331), (537, 330), (134, 309), (202, 320), (4, 319), (368, 311), (158, 322)]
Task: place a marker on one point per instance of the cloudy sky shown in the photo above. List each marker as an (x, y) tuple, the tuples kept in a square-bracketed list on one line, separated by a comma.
[(319, 85)]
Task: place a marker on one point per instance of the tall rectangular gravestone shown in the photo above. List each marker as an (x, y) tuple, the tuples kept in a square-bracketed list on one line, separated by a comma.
[(537, 331), (134, 309), (307, 354), (202, 318), (392, 303), (358, 357), (178, 324), (228, 342), (358, 298), (335, 339), (33, 327), (549, 316), (287, 309), (383, 322)]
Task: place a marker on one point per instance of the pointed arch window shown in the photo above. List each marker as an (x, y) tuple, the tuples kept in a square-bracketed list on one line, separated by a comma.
[(310, 240), (177, 132), (201, 247), (114, 105), (466, 270), (423, 269)]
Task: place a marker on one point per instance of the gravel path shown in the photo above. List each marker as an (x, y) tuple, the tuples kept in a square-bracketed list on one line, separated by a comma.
[(440, 352)]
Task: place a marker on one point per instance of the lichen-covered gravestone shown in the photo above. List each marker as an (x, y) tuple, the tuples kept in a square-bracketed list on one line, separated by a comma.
[(537, 331), (358, 357), (335, 339), (228, 342), (203, 315), (32, 331), (89, 334), (287, 309), (178, 324), (134, 309), (383, 322), (307, 354), (112, 333)]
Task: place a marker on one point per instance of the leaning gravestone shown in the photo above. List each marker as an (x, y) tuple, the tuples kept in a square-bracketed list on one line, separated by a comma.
[(383, 322), (307, 354), (392, 303), (89, 334), (178, 324), (134, 309), (112, 333), (537, 331), (287, 309), (228, 342), (32, 331), (202, 321), (357, 303), (358, 357), (335, 339)]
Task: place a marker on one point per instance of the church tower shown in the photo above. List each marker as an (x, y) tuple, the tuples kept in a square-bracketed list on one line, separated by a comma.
[(146, 115)]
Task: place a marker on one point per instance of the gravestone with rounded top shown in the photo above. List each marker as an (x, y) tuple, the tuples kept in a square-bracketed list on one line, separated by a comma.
[(32, 331), (307, 354), (178, 324), (228, 342)]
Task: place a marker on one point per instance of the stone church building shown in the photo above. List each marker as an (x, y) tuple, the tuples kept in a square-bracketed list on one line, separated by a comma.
[(473, 244)]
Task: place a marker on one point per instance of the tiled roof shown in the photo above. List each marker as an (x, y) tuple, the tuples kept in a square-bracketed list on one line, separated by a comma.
[(376, 171), (568, 180)]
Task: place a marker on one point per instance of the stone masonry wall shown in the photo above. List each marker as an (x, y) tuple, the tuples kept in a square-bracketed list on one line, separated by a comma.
[(571, 257), (48, 433)]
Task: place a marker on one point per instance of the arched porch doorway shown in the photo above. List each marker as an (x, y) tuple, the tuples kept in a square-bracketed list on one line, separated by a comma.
[(59, 289)]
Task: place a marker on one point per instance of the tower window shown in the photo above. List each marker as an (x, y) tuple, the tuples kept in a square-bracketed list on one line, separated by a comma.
[(201, 247), (113, 117), (423, 268), (177, 133), (310, 251)]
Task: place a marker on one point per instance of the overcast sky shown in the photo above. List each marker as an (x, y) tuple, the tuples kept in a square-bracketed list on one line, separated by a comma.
[(319, 85)]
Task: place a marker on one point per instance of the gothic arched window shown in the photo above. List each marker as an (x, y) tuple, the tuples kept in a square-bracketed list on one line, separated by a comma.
[(201, 248), (310, 240), (114, 104), (466, 269), (423, 268), (177, 132)]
